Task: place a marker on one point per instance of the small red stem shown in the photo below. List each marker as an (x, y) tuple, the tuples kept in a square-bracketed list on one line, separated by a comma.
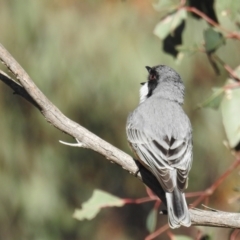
[(232, 86), (216, 184), (171, 236), (234, 234), (157, 204), (233, 35), (193, 194), (139, 200), (150, 193), (158, 232), (226, 67)]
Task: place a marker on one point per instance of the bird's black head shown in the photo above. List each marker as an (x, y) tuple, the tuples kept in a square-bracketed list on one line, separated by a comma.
[(153, 77), (164, 77), (153, 74)]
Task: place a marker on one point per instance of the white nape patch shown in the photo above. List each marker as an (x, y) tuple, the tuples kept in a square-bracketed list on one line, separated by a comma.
[(143, 92)]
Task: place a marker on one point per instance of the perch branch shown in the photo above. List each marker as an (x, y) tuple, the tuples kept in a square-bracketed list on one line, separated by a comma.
[(28, 90)]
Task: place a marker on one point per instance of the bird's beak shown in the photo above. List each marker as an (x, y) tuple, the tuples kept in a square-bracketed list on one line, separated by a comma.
[(142, 83), (148, 68)]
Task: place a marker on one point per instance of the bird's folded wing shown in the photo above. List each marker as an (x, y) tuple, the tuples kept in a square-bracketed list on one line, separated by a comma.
[(168, 160)]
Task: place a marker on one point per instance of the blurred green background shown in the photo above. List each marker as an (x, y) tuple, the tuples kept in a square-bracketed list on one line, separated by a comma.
[(88, 58)]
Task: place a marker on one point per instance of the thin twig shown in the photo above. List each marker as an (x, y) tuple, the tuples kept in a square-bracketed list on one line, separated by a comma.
[(213, 187), (230, 34), (139, 200), (193, 194), (232, 86), (234, 234), (150, 193), (158, 232), (226, 67)]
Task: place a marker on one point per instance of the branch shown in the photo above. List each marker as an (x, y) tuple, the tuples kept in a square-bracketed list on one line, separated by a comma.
[(215, 218), (233, 35), (206, 218), (209, 191), (28, 90)]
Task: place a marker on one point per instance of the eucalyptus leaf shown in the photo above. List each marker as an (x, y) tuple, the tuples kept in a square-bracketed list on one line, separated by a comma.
[(166, 5), (213, 40), (229, 8), (214, 100), (188, 49), (99, 200), (152, 220), (181, 237), (169, 23), (230, 109)]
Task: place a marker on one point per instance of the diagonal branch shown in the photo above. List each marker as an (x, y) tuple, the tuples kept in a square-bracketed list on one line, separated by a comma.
[(208, 192), (28, 90), (53, 115)]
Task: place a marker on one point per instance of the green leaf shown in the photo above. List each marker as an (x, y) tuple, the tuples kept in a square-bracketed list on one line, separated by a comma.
[(152, 220), (230, 109), (169, 23), (214, 100), (213, 40), (99, 199), (229, 8), (188, 49), (166, 5), (181, 237)]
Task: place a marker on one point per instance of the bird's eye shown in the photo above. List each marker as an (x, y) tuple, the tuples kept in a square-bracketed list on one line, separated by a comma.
[(152, 77)]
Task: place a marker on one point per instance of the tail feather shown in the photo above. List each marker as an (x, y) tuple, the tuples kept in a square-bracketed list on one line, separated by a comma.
[(178, 213)]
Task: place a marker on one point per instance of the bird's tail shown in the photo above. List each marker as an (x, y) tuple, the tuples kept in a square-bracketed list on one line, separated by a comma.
[(178, 213)]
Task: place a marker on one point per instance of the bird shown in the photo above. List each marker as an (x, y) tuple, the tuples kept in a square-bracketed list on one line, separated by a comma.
[(160, 134)]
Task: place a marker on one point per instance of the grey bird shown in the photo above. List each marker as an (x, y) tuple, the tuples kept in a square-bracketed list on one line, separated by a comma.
[(160, 134)]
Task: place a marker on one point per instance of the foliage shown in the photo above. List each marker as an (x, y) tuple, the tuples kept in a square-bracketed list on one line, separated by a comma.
[(99, 200), (152, 220)]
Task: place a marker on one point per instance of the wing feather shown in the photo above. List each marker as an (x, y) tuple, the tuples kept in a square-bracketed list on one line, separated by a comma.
[(168, 159)]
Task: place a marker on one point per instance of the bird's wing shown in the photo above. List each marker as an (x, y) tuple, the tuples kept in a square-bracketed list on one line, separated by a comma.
[(180, 157), (168, 160)]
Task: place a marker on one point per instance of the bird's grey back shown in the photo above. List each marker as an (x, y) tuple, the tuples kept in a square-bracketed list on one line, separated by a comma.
[(159, 117)]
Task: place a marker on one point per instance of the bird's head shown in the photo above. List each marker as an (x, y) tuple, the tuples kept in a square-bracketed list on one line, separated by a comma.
[(162, 81)]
